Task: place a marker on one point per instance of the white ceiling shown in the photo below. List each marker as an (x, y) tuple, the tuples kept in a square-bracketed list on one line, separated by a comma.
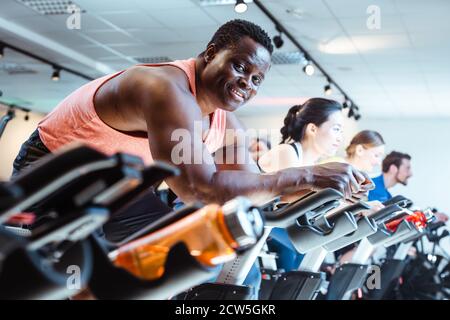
[(400, 70)]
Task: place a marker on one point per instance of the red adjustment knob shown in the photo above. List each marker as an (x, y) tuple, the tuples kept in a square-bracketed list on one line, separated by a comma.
[(417, 218), (23, 218)]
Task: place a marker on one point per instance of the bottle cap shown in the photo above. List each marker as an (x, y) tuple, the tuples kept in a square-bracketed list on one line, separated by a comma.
[(244, 221)]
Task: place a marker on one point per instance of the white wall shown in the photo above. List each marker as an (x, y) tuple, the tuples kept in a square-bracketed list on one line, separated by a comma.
[(17, 132), (427, 141)]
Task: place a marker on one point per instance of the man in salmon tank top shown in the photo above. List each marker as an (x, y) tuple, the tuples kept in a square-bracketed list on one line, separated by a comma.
[(155, 110)]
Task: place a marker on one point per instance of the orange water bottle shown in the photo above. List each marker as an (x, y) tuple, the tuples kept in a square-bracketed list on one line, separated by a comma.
[(212, 235)]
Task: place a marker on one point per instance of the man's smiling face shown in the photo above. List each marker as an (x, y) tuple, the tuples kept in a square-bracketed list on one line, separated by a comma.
[(233, 75)]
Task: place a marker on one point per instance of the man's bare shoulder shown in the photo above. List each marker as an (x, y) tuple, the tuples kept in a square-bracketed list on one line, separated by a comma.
[(156, 79), (158, 93)]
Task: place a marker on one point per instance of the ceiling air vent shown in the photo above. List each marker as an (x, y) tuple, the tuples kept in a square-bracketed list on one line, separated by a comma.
[(50, 7), (152, 59), (294, 57), (206, 3), (14, 68)]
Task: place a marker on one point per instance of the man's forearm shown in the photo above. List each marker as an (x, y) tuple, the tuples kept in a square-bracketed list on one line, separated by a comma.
[(226, 185), (220, 186)]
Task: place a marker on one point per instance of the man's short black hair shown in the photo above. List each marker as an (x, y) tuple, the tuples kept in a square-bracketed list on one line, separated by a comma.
[(234, 30), (394, 158)]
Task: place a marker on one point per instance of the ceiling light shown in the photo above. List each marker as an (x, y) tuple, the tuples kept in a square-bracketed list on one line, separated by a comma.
[(347, 103), (240, 6), (351, 112), (327, 89), (55, 74), (308, 68), (278, 41)]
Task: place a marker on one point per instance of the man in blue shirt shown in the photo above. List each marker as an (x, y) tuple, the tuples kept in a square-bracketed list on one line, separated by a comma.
[(396, 169)]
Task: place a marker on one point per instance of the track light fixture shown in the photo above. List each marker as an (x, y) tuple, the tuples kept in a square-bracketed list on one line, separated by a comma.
[(53, 64), (351, 112), (344, 105), (309, 68), (240, 6), (347, 103), (327, 89), (56, 74), (310, 63), (278, 40)]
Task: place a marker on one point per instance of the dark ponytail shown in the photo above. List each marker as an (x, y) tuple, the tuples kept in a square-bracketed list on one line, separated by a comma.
[(314, 110)]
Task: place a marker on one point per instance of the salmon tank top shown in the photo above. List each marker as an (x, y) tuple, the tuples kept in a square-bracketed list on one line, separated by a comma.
[(75, 119)]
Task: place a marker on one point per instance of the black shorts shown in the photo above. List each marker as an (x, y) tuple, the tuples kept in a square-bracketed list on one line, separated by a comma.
[(138, 214), (30, 153)]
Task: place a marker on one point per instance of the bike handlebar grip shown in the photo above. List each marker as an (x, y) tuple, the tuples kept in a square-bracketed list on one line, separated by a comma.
[(385, 212), (307, 238), (404, 235), (366, 227), (399, 200), (352, 208), (383, 236), (288, 214)]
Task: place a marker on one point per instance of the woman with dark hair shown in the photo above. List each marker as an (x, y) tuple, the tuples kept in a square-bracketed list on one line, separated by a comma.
[(311, 131)]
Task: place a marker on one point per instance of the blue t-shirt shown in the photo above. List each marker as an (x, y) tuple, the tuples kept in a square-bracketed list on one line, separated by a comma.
[(380, 192)]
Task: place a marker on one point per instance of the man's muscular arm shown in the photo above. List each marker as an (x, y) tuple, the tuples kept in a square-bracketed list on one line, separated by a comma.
[(167, 105)]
